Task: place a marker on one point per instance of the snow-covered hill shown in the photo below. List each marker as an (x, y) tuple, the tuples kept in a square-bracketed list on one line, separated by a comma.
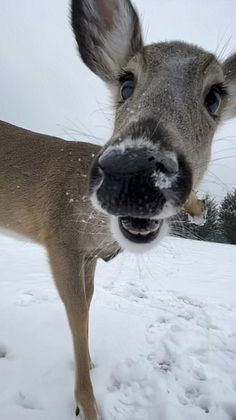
[(162, 333)]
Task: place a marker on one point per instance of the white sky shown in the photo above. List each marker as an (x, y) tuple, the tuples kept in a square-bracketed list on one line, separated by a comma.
[(45, 87)]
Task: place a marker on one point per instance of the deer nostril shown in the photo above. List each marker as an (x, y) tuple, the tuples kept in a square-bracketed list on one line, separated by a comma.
[(106, 161), (100, 173), (167, 164), (160, 167), (96, 176)]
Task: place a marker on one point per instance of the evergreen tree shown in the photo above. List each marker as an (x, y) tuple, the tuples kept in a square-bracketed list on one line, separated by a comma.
[(227, 217)]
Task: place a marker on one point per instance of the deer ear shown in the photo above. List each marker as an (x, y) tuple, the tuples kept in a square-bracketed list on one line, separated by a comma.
[(229, 69), (108, 34)]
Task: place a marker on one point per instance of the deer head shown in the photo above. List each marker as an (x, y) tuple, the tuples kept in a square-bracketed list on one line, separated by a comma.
[(169, 99)]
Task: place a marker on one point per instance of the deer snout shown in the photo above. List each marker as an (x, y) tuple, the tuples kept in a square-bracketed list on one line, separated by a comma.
[(135, 182), (139, 187)]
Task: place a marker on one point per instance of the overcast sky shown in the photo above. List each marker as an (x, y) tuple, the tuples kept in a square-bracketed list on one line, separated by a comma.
[(46, 88)]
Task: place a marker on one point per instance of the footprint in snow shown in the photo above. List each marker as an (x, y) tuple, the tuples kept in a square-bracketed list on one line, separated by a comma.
[(25, 298), (28, 297), (3, 351), (27, 401), (189, 301)]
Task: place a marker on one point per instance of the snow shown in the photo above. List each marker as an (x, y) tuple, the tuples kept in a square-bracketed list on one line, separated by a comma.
[(161, 180), (162, 333), (198, 220)]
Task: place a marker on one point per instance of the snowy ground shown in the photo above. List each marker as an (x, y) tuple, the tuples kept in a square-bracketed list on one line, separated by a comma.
[(163, 335)]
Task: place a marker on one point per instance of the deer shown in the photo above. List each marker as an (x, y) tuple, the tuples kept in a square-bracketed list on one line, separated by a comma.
[(82, 201)]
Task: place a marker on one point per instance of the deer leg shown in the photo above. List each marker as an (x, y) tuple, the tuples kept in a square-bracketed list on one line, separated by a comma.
[(68, 269), (90, 267)]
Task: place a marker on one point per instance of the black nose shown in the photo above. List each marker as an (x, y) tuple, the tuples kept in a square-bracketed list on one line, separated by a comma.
[(134, 180)]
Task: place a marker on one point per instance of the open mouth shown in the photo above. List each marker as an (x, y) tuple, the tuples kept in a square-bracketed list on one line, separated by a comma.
[(139, 230)]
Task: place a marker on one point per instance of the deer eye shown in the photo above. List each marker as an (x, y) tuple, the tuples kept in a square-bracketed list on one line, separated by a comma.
[(127, 86), (213, 99)]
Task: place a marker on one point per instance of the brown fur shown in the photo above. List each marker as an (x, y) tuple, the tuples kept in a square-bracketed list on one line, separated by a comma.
[(43, 196), (43, 182), (194, 206)]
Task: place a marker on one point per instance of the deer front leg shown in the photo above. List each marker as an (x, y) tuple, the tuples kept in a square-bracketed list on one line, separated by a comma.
[(89, 268), (68, 269)]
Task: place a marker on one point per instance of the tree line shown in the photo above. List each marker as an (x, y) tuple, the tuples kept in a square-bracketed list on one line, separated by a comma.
[(220, 224)]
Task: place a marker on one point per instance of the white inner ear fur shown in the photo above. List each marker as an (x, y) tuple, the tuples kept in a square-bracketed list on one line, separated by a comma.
[(115, 42)]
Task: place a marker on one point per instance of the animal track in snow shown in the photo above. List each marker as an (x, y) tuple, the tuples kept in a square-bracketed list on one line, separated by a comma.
[(27, 401), (29, 297), (3, 351)]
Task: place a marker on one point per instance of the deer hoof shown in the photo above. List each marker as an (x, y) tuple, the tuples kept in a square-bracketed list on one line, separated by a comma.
[(78, 412)]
